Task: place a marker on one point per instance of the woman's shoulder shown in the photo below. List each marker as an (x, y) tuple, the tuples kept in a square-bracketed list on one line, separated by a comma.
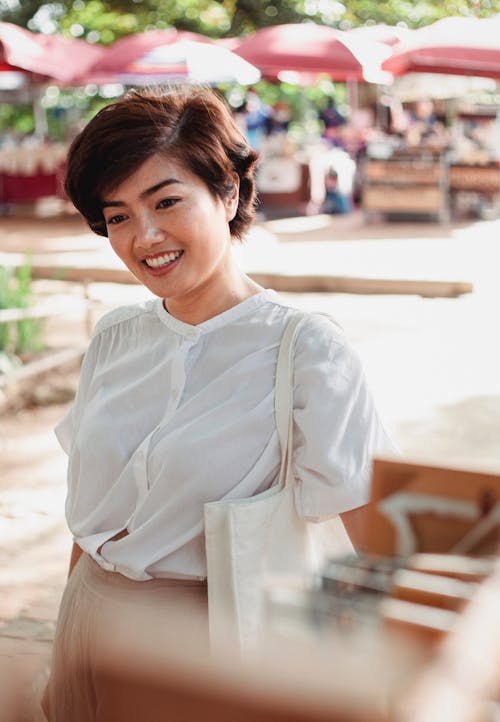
[(320, 326), (322, 349), (121, 315), (318, 332), (316, 323)]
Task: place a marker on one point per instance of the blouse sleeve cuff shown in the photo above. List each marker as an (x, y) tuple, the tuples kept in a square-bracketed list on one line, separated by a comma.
[(321, 501)]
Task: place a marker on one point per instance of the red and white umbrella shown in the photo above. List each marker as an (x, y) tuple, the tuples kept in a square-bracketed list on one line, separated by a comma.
[(454, 45), (312, 48), (131, 48), (53, 57), (18, 49), (162, 55), (191, 61)]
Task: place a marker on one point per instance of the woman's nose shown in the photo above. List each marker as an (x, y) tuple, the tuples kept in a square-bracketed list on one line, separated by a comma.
[(155, 234), (150, 233)]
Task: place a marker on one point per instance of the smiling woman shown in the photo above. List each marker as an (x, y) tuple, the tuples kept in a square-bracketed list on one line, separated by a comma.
[(170, 201), (176, 404)]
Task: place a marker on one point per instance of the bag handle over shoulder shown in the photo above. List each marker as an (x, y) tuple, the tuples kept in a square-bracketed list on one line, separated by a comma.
[(283, 395)]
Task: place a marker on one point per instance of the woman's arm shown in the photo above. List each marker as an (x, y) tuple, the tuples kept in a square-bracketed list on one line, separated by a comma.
[(337, 431), (76, 553), (355, 522)]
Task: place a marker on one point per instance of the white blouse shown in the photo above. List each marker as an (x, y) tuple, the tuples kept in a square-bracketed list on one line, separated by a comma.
[(169, 416)]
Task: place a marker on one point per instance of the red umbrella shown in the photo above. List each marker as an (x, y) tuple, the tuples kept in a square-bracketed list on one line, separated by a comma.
[(19, 50), (456, 45), (130, 49), (191, 61), (65, 59), (53, 56), (18, 47), (312, 48)]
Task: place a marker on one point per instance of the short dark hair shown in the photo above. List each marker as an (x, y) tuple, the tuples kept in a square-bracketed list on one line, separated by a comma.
[(192, 125)]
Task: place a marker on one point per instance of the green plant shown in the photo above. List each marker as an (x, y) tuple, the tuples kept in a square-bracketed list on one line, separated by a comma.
[(15, 292)]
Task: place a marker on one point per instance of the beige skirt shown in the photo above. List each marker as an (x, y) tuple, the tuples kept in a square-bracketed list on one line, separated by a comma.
[(91, 599)]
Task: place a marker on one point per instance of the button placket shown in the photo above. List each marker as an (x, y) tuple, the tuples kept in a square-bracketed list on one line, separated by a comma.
[(177, 383), (191, 357), (178, 378), (140, 465)]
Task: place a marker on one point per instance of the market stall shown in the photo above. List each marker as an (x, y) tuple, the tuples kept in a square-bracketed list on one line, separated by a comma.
[(475, 164), (436, 68), (30, 171), (32, 167), (411, 181), (437, 158), (295, 180)]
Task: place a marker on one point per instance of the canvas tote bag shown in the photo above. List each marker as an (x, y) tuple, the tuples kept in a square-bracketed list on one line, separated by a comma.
[(251, 541)]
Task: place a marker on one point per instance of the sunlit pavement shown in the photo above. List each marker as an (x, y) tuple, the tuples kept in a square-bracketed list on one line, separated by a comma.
[(432, 364)]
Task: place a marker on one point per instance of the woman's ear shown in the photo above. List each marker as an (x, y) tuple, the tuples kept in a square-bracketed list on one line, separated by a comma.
[(232, 197)]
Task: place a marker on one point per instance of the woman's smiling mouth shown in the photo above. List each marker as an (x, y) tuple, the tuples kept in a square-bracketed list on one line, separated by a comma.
[(162, 260)]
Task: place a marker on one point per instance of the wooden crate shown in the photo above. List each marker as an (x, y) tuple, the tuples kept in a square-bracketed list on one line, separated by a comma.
[(482, 179), (416, 185), (409, 172), (403, 199)]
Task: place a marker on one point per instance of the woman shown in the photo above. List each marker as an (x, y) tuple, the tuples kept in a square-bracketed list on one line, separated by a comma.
[(176, 400)]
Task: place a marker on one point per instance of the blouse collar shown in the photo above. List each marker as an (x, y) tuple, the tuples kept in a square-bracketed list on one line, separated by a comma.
[(226, 317)]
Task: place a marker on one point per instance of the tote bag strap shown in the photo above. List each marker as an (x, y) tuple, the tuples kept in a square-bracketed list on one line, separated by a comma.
[(283, 395)]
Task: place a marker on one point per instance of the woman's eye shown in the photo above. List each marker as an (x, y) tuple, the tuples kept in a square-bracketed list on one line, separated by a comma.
[(114, 220), (167, 202)]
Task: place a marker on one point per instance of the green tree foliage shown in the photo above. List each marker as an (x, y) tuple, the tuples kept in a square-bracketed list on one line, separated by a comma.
[(19, 117), (106, 20)]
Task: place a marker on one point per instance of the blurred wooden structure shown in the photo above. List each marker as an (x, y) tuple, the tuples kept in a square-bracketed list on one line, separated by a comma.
[(413, 184), (418, 508), (416, 183)]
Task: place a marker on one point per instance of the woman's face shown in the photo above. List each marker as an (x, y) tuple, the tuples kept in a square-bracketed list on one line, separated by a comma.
[(171, 232)]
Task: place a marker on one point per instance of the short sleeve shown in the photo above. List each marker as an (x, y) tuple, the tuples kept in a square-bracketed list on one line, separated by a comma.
[(66, 428), (337, 430)]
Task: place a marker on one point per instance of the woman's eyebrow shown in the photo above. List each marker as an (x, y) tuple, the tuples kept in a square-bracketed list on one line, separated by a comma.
[(144, 194)]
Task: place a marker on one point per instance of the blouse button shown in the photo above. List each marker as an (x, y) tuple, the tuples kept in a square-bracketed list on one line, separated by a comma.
[(174, 393), (192, 335)]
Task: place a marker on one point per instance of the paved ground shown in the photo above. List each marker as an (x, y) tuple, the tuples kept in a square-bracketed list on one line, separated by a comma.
[(432, 363)]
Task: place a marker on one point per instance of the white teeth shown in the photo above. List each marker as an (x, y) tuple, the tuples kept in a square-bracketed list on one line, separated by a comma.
[(163, 260)]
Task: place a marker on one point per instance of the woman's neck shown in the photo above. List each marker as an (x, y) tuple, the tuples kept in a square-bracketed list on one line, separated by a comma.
[(207, 303)]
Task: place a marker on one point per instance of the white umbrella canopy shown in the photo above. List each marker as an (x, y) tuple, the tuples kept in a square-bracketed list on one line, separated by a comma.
[(191, 61), (381, 33)]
